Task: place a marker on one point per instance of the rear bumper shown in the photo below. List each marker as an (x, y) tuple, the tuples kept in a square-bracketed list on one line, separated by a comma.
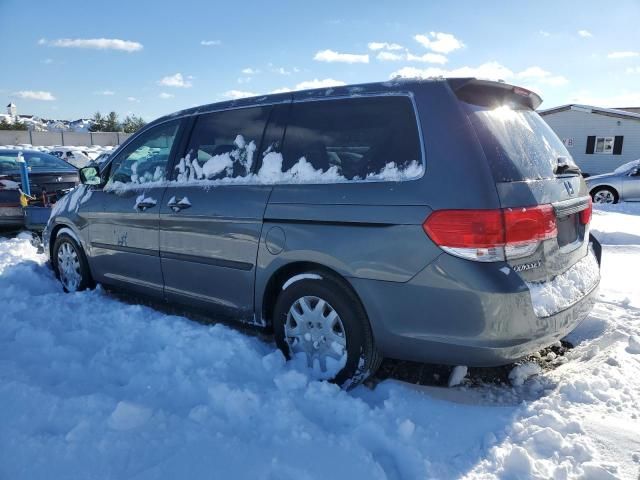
[(460, 312), (11, 216)]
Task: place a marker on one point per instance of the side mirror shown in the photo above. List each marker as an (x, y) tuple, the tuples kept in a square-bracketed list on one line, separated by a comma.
[(90, 176)]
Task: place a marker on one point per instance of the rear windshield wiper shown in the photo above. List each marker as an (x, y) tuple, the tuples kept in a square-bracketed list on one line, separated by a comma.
[(564, 166)]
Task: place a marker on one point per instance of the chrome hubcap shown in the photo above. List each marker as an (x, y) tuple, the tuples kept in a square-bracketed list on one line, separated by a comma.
[(314, 330), (69, 267), (603, 196)]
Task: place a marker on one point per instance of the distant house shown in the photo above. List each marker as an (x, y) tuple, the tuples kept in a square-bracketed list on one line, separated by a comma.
[(599, 139)]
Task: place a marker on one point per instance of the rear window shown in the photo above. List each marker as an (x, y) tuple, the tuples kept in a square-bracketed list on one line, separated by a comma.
[(518, 143), (372, 138)]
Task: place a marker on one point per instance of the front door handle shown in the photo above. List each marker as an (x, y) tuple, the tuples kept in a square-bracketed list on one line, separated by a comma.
[(177, 204)]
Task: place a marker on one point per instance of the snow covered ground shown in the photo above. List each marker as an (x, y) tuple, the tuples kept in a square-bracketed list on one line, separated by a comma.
[(91, 387)]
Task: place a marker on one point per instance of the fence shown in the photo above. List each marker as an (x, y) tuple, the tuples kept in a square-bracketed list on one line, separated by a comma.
[(45, 139)]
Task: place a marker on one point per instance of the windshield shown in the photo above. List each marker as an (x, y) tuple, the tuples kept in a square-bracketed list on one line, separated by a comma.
[(627, 166), (518, 143), (35, 160)]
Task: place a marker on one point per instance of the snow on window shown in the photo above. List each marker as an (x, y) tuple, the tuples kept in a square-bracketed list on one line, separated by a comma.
[(234, 167)]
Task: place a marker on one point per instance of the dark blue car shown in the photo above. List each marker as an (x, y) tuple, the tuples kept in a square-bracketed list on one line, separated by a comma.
[(47, 173)]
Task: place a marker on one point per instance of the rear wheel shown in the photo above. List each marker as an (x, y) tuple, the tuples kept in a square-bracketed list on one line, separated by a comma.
[(70, 264), (604, 195), (320, 324)]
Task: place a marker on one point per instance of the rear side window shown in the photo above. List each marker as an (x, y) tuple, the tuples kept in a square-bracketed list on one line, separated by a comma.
[(518, 143), (372, 138), (223, 145)]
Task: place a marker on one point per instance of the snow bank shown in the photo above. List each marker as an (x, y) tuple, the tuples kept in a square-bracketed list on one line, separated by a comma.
[(96, 388), (565, 289), (520, 373)]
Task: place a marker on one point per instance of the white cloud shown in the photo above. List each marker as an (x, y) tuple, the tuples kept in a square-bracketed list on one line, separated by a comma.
[(427, 58), (541, 76), (281, 90), (331, 56), (35, 95), (544, 33), (176, 80), (106, 93), (533, 72), (619, 100), (439, 42), (133, 99), (235, 94), (250, 71), (165, 95), (284, 71), (308, 84), (585, 33), (95, 43), (624, 54), (210, 43), (315, 83), (489, 70), (384, 46), (389, 56)]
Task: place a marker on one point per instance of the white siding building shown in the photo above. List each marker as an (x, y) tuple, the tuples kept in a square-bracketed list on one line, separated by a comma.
[(599, 139)]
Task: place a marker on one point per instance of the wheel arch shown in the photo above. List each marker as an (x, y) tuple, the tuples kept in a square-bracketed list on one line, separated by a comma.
[(55, 231), (285, 272)]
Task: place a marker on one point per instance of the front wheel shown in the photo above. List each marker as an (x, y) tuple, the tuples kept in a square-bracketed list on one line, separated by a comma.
[(320, 324), (604, 195), (70, 264)]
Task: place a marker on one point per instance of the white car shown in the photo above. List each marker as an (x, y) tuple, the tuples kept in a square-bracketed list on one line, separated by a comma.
[(75, 156)]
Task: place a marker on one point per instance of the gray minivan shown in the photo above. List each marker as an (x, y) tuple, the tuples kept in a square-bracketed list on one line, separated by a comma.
[(428, 220)]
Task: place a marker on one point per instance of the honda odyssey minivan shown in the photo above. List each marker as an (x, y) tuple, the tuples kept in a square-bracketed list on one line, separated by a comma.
[(429, 220)]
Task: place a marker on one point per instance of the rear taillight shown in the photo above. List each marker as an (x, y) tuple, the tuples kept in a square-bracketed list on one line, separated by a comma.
[(491, 235), (585, 215)]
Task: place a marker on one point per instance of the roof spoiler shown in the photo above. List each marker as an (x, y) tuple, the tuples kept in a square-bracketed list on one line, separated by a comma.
[(492, 94)]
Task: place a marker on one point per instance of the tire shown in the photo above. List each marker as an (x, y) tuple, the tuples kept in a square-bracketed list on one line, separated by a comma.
[(604, 195), (362, 357), (70, 264)]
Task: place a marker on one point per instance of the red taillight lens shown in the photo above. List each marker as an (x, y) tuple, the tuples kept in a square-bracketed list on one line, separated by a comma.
[(524, 225), (585, 215), (479, 230), (465, 228)]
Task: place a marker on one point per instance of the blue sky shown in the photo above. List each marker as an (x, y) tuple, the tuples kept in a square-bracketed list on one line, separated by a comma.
[(67, 59)]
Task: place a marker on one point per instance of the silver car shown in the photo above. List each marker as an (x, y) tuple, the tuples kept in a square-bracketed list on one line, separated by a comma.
[(623, 184)]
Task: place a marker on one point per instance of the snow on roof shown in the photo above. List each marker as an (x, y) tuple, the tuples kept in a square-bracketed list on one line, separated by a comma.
[(612, 112)]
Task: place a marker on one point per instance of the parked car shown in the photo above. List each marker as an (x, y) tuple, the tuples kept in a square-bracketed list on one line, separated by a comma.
[(432, 221), (623, 184), (74, 156), (47, 173)]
